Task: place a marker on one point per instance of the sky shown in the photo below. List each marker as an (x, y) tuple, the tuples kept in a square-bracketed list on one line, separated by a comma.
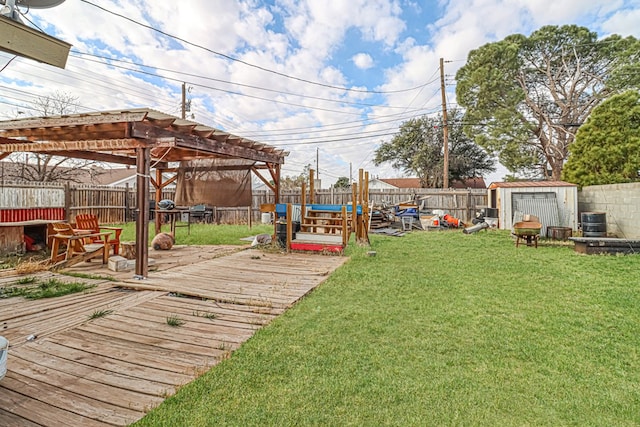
[(326, 80)]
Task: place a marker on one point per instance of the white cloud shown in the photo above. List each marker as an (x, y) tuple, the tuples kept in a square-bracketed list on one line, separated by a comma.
[(363, 61), (624, 23), (300, 38)]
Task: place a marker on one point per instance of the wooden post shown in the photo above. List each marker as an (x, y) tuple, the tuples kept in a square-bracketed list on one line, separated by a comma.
[(311, 187), (127, 206), (360, 185), (345, 228), (445, 128), (249, 216), (303, 206), (289, 227), (67, 202), (143, 161), (365, 210), (359, 231), (277, 184), (158, 186), (354, 207)]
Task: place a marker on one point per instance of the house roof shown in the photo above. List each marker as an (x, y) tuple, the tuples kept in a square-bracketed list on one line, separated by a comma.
[(112, 176), (403, 182), (10, 171), (528, 184)]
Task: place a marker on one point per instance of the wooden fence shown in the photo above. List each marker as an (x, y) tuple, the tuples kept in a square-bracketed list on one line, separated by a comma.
[(459, 203), (118, 204)]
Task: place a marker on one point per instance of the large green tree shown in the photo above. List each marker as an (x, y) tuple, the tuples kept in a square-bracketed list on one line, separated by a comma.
[(525, 97), (342, 182), (295, 182), (418, 148), (607, 146)]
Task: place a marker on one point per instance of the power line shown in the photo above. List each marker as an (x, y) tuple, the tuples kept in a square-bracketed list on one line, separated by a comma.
[(231, 58), (78, 54), (231, 92)]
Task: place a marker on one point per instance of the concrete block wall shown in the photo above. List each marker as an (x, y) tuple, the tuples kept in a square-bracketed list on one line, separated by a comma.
[(620, 203)]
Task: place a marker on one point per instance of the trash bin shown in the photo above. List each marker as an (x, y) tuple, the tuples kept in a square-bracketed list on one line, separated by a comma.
[(281, 233)]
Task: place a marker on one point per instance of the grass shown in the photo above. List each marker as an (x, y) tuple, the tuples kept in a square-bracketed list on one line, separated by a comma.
[(89, 276), (100, 313), (26, 280), (34, 289), (205, 315), (175, 321), (202, 234), (440, 328)]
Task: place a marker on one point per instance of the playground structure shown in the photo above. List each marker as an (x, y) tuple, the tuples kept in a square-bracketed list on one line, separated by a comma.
[(322, 227)]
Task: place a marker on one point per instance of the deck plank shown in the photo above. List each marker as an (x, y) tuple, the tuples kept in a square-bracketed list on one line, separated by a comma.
[(111, 369), (112, 394), (99, 368), (56, 408)]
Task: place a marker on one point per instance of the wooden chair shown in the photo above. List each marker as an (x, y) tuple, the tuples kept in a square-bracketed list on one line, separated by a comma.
[(90, 222), (76, 250)]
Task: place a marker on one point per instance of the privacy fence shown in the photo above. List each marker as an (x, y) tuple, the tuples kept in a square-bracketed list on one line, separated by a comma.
[(24, 202)]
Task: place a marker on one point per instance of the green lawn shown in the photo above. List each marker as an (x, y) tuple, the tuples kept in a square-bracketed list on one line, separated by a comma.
[(201, 234), (440, 328)]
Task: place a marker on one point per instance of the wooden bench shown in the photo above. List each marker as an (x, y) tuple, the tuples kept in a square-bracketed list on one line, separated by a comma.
[(76, 250), (90, 222)]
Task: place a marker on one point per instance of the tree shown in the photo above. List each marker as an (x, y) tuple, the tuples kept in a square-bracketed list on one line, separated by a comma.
[(525, 97), (342, 182), (295, 182), (418, 148), (36, 167), (607, 146)]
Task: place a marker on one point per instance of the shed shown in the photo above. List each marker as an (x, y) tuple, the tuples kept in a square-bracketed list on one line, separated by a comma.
[(554, 202)]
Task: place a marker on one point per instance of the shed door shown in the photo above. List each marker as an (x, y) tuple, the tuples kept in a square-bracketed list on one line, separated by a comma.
[(542, 205)]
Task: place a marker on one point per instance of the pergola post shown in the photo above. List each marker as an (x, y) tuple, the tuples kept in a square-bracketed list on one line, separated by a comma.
[(143, 169), (277, 184), (158, 185)]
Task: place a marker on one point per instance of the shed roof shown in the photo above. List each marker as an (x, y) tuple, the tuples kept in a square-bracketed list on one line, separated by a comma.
[(528, 184)]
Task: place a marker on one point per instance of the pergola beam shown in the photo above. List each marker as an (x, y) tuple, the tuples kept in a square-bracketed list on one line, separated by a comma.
[(203, 145), (76, 120), (10, 145), (99, 157), (264, 180)]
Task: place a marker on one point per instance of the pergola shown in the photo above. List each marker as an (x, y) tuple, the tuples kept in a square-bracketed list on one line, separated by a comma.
[(140, 138)]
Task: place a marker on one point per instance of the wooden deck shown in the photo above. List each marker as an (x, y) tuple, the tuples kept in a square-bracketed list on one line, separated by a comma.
[(111, 370)]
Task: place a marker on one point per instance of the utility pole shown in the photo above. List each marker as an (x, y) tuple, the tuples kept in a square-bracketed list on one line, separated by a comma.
[(317, 164), (445, 128), (184, 101)]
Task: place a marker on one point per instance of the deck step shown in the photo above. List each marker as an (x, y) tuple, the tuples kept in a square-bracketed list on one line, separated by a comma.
[(329, 226), (316, 247)]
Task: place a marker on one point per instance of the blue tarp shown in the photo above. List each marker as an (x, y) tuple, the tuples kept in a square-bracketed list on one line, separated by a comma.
[(281, 208)]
